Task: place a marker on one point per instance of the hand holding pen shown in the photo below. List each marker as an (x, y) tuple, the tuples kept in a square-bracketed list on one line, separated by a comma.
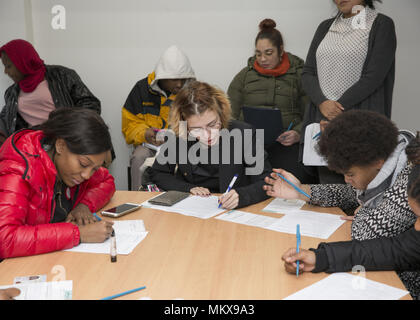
[(230, 199), (283, 184), (289, 137)]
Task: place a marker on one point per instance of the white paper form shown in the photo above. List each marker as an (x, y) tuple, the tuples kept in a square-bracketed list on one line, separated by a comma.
[(312, 224), (344, 286), (128, 234), (55, 290), (284, 206), (194, 206), (249, 219)]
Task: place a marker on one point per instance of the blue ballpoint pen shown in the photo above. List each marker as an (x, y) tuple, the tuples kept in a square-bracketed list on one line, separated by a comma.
[(295, 187), (317, 135), (297, 247), (123, 293), (230, 186), (288, 129), (96, 216)]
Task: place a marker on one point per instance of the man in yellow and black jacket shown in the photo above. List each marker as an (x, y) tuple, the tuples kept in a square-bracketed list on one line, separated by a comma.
[(146, 109)]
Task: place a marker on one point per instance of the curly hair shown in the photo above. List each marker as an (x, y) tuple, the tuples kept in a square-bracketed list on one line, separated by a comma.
[(357, 138), (196, 98), (413, 155)]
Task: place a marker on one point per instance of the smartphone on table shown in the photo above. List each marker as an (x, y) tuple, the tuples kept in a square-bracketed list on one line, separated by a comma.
[(121, 210)]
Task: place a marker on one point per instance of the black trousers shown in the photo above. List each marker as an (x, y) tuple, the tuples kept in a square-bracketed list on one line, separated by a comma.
[(282, 157)]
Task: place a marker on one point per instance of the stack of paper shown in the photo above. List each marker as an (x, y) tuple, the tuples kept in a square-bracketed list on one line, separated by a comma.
[(344, 286), (312, 224), (55, 290), (194, 206), (128, 234), (284, 206)]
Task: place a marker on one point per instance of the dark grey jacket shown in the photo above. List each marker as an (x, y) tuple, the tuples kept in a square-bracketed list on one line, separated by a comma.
[(67, 90), (373, 91)]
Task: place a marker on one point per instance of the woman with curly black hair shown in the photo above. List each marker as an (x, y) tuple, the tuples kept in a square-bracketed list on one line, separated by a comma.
[(368, 150)]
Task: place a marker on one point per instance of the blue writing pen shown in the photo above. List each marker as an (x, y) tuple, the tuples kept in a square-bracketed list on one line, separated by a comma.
[(295, 187), (230, 186), (297, 247), (288, 129), (317, 135), (96, 216), (123, 293)]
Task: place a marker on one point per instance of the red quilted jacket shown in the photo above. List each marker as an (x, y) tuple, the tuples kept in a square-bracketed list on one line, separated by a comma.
[(27, 178)]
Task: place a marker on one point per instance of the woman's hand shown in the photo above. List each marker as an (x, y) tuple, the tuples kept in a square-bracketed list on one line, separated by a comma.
[(199, 191), (330, 109), (9, 294), (95, 232), (289, 138), (150, 137), (80, 215), (307, 260), (277, 187), (229, 200)]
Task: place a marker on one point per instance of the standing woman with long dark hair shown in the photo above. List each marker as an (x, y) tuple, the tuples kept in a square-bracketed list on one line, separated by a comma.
[(51, 181), (350, 65)]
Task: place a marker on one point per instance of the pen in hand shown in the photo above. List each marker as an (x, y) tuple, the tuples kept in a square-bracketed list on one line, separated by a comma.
[(229, 187)]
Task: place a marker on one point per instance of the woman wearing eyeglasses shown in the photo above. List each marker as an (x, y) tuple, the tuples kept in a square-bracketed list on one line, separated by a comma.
[(216, 149)]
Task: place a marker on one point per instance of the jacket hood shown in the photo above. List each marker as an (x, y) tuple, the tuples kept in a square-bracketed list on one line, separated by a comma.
[(25, 146), (295, 63), (173, 64), (388, 174)]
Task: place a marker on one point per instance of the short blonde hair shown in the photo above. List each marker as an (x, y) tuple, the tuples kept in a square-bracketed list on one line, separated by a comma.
[(196, 98)]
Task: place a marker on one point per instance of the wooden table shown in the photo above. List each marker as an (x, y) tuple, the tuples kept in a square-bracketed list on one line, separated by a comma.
[(186, 257)]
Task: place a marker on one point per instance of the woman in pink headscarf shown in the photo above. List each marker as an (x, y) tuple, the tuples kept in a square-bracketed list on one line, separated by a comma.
[(38, 89)]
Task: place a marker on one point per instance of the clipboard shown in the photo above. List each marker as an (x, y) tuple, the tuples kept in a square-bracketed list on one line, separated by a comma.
[(265, 118)]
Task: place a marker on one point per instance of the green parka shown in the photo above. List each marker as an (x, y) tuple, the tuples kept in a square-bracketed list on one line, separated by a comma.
[(285, 92)]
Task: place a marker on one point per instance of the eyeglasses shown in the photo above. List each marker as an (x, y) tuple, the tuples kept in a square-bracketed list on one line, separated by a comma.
[(197, 132)]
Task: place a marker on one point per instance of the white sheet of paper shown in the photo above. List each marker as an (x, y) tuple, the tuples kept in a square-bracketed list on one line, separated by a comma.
[(344, 286), (249, 219), (128, 234), (54, 290), (284, 206), (195, 206), (311, 157), (312, 224)]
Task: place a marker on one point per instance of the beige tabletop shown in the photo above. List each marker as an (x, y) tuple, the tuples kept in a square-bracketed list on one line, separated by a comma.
[(186, 257)]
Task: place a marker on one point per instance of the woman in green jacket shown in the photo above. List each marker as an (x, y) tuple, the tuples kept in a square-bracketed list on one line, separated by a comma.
[(272, 80)]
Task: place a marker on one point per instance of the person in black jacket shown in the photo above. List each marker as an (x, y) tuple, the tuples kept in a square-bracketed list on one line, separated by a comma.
[(38, 89), (400, 253), (209, 149)]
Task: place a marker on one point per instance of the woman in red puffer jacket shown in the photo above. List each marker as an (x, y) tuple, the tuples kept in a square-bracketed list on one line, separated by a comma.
[(51, 180)]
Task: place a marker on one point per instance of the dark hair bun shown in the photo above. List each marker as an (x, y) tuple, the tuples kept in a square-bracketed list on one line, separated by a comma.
[(267, 24)]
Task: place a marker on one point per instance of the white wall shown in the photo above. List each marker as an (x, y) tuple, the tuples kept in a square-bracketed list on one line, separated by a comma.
[(112, 44)]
